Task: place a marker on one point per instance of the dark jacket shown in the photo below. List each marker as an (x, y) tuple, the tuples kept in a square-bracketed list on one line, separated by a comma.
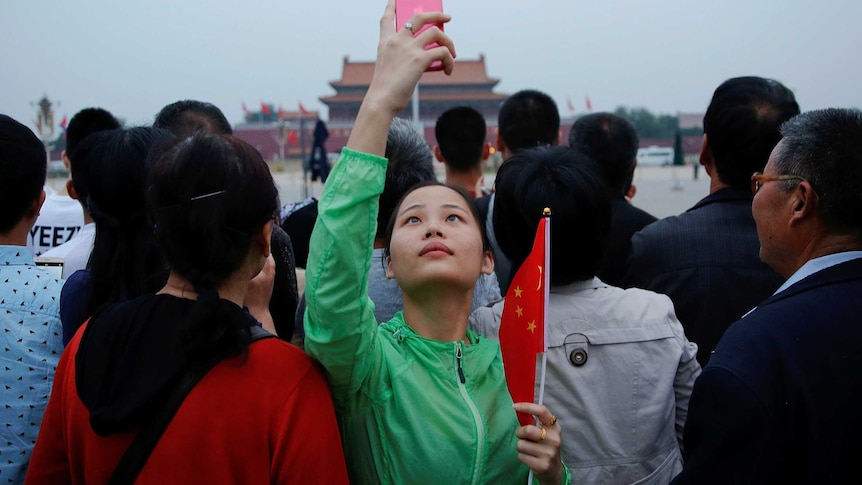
[(779, 400), (627, 220), (707, 260)]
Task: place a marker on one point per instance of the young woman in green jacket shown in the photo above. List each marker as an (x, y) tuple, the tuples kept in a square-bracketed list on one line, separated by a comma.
[(421, 399)]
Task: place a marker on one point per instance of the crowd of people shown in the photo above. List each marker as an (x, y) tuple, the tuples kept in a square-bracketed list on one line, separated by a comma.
[(200, 331)]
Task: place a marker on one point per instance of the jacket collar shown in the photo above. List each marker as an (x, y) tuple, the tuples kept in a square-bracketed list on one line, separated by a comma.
[(728, 194), (848, 271)]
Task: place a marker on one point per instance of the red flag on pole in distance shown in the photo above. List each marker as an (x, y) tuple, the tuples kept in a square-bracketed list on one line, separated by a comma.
[(570, 105), (522, 327), (589, 104), (264, 109), (281, 114), (302, 109), (64, 124), (245, 110)]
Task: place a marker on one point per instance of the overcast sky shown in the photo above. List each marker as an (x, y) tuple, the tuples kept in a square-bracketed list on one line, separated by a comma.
[(133, 57)]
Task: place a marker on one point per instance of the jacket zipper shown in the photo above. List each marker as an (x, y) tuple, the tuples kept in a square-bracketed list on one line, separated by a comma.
[(477, 418)]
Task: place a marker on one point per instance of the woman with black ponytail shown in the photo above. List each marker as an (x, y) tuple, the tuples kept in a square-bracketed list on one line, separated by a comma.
[(261, 414)]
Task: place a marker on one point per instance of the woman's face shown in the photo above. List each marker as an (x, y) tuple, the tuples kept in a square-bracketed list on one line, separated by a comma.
[(436, 240)]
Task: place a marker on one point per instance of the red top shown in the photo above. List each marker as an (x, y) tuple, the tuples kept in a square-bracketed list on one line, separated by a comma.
[(267, 420)]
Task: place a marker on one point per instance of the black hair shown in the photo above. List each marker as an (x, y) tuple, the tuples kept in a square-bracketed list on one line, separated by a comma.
[(124, 263), (215, 189), (468, 199), (741, 125), (410, 162), (528, 119), (23, 169), (568, 183), (187, 117), (461, 134), (612, 142), (84, 123), (825, 147)]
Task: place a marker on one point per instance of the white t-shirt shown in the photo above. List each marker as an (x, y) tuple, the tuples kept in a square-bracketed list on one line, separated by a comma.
[(60, 218), (76, 251)]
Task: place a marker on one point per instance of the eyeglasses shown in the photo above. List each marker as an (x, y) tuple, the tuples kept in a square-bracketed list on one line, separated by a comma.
[(758, 179)]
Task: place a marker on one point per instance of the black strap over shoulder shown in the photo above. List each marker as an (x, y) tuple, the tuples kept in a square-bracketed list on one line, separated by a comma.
[(145, 441)]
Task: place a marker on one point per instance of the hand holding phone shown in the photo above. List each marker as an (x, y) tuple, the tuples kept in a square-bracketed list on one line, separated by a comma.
[(404, 9)]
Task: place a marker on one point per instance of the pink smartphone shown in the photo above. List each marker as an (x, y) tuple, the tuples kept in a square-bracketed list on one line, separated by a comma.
[(404, 9)]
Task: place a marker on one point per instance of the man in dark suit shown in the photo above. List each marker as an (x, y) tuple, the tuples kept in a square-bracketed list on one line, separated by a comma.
[(612, 142), (706, 259), (779, 400)]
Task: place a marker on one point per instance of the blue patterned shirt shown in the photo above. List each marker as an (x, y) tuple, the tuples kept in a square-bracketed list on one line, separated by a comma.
[(30, 347)]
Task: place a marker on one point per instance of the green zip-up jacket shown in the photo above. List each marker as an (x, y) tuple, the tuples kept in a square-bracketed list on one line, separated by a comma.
[(412, 410)]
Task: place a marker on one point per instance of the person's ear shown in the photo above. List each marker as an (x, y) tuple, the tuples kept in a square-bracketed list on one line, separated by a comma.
[(36, 206), (438, 154), (706, 157), (70, 189), (486, 151), (262, 240), (488, 263), (501, 146), (804, 201), (389, 273), (66, 162)]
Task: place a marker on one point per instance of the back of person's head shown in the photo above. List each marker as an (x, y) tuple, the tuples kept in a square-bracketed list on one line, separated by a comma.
[(825, 147), (124, 262), (566, 182), (86, 122), (410, 162), (741, 125), (461, 134), (612, 142), (187, 117), (209, 196), (529, 119), (23, 168)]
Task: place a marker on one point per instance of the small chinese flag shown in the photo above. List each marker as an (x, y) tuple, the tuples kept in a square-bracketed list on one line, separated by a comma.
[(589, 104), (245, 110), (302, 108), (281, 114), (264, 108), (522, 328)]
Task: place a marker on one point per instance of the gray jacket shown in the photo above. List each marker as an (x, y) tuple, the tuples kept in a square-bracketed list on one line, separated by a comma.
[(619, 375)]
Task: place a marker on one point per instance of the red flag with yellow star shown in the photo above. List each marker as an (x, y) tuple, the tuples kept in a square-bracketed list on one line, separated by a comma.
[(522, 328)]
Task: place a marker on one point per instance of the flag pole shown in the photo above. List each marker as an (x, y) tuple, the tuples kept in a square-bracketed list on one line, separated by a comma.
[(546, 213)]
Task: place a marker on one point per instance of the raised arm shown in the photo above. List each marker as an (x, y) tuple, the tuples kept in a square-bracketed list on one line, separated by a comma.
[(339, 319)]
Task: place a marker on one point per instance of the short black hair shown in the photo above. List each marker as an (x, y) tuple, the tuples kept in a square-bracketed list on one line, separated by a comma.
[(461, 134), (741, 125), (86, 122), (410, 162), (567, 182), (82, 125), (187, 117), (825, 147), (23, 169), (528, 119), (612, 142)]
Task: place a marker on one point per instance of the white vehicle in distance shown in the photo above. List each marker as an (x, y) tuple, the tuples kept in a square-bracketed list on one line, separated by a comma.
[(655, 156)]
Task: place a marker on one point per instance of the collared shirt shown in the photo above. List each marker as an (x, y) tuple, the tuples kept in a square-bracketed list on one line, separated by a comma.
[(30, 348), (818, 264)]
